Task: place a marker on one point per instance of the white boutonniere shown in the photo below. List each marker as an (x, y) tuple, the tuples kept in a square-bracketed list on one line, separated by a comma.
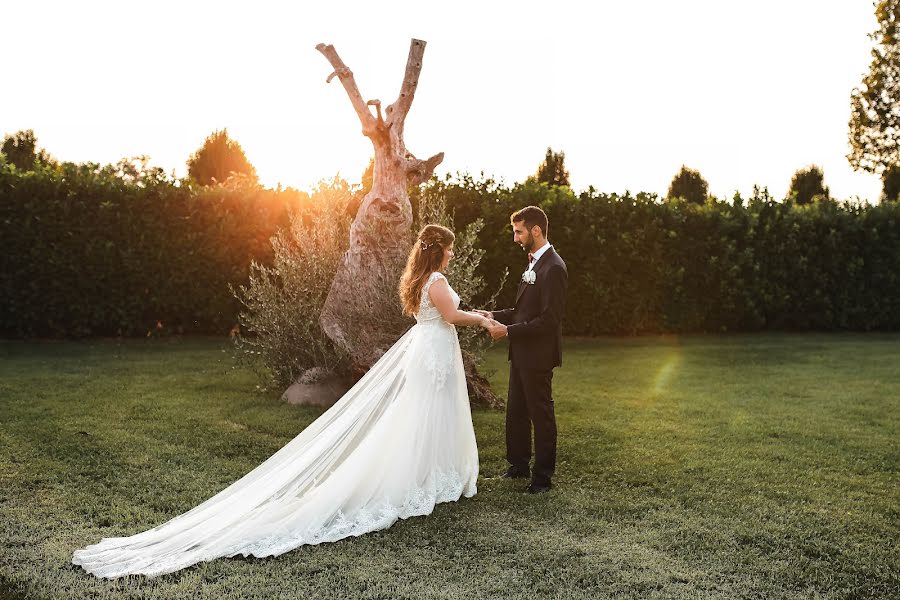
[(529, 277)]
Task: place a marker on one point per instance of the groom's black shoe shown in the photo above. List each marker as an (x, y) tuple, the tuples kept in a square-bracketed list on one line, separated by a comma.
[(538, 488), (514, 473)]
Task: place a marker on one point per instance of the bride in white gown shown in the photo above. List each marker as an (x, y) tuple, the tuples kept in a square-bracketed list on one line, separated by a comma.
[(398, 442)]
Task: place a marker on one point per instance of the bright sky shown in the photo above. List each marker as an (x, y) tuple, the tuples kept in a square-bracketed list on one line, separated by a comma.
[(746, 92)]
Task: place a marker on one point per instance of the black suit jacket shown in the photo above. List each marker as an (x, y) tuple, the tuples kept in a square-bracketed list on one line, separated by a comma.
[(534, 326)]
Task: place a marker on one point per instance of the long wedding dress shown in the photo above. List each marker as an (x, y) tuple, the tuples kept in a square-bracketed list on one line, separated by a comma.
[(398, 442)]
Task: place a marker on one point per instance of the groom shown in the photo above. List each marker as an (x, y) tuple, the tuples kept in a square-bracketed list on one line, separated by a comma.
[(534, 327)]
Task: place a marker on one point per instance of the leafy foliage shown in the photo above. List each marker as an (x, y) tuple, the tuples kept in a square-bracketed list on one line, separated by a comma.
[(553, 170), (219, 158), (808, 185), (122, 249), (638, 265), (689, 185), (20, 150), (105, 250), (890, 191), (282, 302), (875, 105)]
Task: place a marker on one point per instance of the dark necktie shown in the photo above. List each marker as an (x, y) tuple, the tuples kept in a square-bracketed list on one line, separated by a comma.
[(530, 258)]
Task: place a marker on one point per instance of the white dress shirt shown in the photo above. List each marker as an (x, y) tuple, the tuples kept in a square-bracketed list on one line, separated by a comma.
[(537, 256)]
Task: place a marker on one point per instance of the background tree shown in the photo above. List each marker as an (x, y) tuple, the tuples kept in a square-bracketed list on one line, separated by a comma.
[(875, 105), (807, 185), (218, 159), (553, 170), (690, 185), (891, 180), (21, 150)]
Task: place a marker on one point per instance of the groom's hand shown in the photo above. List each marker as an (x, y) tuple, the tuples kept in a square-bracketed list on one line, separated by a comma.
[(497, 331)]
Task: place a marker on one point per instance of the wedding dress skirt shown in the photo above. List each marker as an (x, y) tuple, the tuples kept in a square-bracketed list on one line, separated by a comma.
[(398, 442)]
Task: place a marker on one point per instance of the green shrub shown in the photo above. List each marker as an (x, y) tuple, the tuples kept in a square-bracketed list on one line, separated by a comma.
[(282, 302)]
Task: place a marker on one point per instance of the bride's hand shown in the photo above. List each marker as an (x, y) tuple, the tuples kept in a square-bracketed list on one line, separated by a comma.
[(488, 323), (485, 322)]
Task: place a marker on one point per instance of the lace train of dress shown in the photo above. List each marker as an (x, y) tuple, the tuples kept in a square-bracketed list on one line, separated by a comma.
[(398, 442)]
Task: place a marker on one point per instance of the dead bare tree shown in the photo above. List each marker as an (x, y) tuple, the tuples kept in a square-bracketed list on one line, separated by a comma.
[(380, 233), (357, 315)]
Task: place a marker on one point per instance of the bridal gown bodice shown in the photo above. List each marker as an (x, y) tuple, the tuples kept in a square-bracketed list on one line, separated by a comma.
[(398, 442), (428, 312), (440, 342)]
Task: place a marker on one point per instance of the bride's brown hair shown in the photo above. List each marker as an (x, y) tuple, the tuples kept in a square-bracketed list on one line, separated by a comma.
[(425, 258)]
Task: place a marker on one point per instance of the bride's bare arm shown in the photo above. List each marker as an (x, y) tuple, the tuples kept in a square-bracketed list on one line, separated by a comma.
[(439, 292)]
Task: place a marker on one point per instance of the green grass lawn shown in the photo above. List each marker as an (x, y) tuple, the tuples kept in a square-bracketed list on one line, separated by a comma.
[(757, 466)]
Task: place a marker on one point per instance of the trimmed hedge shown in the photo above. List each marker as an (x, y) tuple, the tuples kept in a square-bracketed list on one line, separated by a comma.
[(639, 265), (89, 250)]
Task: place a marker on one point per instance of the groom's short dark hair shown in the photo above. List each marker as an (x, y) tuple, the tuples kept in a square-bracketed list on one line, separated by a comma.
[(532, 215)]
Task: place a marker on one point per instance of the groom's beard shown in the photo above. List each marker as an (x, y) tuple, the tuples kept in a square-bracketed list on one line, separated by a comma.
[(528, 244)]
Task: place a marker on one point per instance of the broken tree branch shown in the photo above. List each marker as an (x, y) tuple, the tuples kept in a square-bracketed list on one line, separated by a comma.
[(397, 111), (346, 76)]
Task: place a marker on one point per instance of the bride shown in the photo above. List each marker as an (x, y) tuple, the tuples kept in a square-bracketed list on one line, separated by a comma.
[(398, 442)]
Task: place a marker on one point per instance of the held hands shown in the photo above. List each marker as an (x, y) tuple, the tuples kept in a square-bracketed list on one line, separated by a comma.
[(497, 330), (485, 322), (493, 327), (485, 317)]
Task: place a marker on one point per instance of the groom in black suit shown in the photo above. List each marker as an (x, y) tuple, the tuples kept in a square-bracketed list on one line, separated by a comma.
[(534, 328)]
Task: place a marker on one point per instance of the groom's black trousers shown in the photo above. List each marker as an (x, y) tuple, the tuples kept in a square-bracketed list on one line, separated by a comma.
[(530, 401)]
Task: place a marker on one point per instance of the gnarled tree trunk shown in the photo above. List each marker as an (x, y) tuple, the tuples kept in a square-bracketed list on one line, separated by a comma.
[(354, 316), (381, 232)]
